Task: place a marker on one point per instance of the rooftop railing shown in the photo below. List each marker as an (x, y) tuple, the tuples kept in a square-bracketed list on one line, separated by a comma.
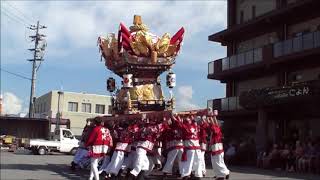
[(297, 44), (294, 45), (241, 59), (238, 60), (211, 67), (225, 104)]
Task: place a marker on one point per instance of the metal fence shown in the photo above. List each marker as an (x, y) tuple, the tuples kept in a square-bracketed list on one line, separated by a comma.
[(227, 104), (297, 44), (241, 59), (211, 67)]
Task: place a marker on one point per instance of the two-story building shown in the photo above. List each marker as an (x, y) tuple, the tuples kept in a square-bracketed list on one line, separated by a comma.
[(74, 106), (271, 72)]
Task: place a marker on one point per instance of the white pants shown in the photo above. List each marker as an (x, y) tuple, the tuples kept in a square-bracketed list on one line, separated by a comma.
[(158, 157), (152, 162), (192, 163), (105, 163), (141, 162), (202, 162), (94, 168), (171, 157), (218, 165), (116, 163), (80, 155), (129, 161)]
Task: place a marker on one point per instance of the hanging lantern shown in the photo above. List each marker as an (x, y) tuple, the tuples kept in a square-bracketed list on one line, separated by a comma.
[(127, 81), (171, 79), (215, 112), (111, 84)]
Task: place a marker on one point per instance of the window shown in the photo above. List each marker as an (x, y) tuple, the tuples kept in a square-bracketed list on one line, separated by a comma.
[(86, 107), (67, 134), (100, 108), (73, 106), (110, 107)]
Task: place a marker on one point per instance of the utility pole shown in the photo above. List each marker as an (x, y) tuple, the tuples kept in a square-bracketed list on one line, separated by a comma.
[(59, 113), (37, 56)]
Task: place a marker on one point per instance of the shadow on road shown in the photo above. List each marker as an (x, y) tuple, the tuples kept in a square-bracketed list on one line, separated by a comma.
[(60, 169)]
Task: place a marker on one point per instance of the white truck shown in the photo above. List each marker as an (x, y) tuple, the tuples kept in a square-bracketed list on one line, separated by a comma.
[(63, 141)]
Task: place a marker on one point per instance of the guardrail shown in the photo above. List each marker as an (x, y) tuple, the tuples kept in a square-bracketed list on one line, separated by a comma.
[(297, 44), (225, 104), (238, 60)]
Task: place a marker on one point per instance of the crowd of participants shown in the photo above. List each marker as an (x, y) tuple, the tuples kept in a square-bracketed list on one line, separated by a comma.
[(175, 145)]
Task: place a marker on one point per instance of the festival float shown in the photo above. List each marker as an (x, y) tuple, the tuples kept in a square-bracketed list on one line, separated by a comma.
[(139, 58)]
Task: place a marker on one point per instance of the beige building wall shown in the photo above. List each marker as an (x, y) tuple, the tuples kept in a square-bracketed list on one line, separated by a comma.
[(246, 7), (42, 105), (47, 105)]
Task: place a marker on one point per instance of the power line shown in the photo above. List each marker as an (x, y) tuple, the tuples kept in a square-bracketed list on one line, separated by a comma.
[(15, 74), (13, 18), (8, 11), (19, 11)]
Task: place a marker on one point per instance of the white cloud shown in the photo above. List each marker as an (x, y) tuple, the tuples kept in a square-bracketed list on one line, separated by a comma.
[(12, 104), (184, 99), (77, 25)]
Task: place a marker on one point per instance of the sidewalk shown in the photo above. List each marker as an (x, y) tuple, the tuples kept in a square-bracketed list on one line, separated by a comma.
[(252, 173)]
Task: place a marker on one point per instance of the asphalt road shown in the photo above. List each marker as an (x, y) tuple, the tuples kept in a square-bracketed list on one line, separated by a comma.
[(21, 165)]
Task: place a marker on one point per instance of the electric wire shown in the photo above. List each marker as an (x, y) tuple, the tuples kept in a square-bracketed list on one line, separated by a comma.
[(14, 15), (20, 12), (14, 18), (15, 74)]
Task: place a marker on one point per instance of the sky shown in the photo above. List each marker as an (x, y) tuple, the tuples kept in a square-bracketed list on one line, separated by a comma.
[(72, 59)]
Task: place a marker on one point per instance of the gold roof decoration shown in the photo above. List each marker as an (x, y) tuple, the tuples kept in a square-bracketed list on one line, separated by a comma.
[(138, 25), (138, 45)]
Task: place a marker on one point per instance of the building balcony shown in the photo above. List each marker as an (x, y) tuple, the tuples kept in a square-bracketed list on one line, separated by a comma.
[(224, 68), (297, 44), (253, 61), (225, 104), (295, 12)]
